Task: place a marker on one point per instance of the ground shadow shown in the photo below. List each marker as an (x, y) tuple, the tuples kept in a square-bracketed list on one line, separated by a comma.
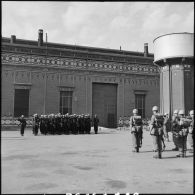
[(168, 157)]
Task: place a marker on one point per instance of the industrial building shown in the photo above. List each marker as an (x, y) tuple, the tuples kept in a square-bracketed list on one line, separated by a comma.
[(43, 77)]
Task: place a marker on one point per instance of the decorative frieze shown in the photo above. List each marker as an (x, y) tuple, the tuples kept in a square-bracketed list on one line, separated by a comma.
[(17, 59)]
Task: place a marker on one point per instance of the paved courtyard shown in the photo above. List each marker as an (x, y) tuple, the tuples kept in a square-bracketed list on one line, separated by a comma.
[(90, 163)]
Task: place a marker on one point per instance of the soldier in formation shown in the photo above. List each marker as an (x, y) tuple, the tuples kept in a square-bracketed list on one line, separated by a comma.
[(135, 125), (57, 124)]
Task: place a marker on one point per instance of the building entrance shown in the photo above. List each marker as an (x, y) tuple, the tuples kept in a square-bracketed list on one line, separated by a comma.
[(104, 103)]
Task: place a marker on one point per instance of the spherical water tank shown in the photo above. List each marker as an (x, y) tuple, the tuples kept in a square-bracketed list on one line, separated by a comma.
[(174, 45)]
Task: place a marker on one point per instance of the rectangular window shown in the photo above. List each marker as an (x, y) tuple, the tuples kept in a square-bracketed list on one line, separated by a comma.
[(140, 104), (21, 102), (66, 102)]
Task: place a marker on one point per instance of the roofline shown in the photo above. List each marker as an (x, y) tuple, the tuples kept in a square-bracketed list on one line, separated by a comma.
[(87, 47), (172, 34)]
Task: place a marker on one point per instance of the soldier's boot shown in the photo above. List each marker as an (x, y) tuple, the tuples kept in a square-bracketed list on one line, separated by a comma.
[(137, 149)]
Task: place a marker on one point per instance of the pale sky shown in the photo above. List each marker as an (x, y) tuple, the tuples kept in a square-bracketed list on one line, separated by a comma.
[(97, 24)]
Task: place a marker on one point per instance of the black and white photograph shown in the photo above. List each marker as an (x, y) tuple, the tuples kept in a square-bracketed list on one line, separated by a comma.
[(97, 97)]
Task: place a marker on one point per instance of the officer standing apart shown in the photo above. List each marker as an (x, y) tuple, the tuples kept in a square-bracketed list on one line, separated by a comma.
[(156, 131), (22, 124), (191, 132), (135, 124), (95, 123)]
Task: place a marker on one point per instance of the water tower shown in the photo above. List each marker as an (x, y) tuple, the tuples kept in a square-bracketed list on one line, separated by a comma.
[(174, 54)]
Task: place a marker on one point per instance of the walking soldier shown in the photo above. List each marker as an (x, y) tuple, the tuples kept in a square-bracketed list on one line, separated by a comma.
[(22, 124), (135, 124), (182, 133), (156, 131), (175, 127)]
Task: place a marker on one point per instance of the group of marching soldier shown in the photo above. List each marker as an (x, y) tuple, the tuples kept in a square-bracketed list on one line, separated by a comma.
[(57, 124), (181, 126)]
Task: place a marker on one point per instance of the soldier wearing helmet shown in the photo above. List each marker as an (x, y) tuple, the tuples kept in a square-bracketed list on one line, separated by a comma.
[(191, 132), (181, 135), (135, 124), (22, 121), (156, 131), (175, 119)]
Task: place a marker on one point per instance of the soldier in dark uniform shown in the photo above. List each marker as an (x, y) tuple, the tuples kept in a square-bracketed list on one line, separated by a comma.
[(88, 124), (41, 125), (175, 127), (156, 131), (49, 124), (82, 124), (74, 124), (191, 132), (85, 124), (53, 124), (45, 128), (36, 121), (95, 123), (135, 124), (78, 124), (66, 124), (22, 124)]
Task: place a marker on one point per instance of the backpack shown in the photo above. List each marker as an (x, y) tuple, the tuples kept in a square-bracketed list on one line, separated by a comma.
[(159, 120), (137, 120)]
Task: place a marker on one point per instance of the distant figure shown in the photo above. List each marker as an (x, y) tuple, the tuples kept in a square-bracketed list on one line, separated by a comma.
[(95, 123), (23, 124), (120, 123)]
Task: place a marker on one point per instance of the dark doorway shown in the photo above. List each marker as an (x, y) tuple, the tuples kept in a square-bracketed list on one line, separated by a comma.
[(21, 102), (104, 104)]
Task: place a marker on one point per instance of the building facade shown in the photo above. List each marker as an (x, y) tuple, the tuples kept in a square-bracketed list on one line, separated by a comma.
[(44, 78)]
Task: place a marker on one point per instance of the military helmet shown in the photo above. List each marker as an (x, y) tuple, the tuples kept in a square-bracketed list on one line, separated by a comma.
[(175, 112), (155, 108), (181, 112), (135, 111), (191, 112)]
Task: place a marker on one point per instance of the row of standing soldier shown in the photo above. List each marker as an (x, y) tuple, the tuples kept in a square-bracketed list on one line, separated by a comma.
[(61, 124), (180, 126)]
